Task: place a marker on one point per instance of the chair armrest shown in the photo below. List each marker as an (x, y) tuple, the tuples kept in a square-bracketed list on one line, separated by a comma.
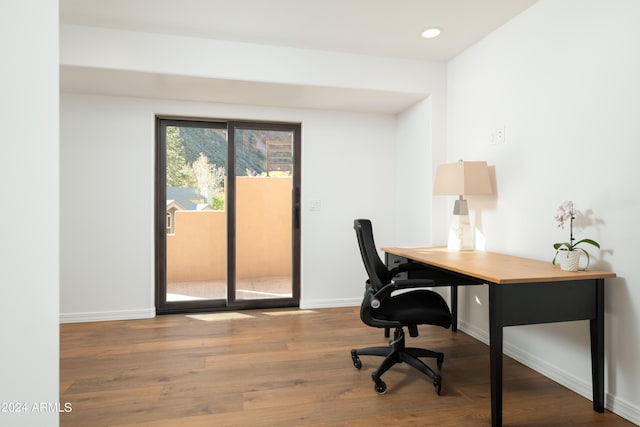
[(404, 267), (371, 302), (395, 285), (411, 283)]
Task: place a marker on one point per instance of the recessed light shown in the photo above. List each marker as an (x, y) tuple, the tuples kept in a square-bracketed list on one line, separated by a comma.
[(430, 33)]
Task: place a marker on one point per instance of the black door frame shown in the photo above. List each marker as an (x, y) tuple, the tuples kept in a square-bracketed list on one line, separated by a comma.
[(231, 303)]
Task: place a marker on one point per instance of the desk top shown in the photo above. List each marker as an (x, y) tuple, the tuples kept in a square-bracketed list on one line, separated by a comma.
[(493, 267)]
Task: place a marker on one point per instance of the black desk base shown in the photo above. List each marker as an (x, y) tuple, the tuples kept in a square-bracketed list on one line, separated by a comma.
[(528, 304)]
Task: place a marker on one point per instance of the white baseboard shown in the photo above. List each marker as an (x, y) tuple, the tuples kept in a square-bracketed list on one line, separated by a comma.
[(612, 403), (623, 408), (102, 316), (477, 333)]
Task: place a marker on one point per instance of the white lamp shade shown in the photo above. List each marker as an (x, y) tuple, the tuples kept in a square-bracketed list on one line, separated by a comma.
[(462, 178)]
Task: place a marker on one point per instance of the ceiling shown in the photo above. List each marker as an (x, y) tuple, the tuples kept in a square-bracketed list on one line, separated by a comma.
[(389, 28), (370, 27)]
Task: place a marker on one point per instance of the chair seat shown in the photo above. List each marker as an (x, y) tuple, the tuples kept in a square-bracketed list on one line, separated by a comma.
[(417, 307)]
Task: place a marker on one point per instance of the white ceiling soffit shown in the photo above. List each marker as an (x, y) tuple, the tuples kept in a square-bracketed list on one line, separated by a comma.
[(389, 28), (97, 81)]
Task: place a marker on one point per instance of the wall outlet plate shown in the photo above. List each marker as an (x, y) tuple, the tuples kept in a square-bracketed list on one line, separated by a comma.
[(315, 205), (500, 135)]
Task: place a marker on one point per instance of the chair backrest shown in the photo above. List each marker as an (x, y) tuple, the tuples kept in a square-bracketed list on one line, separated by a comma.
[(376, 270)]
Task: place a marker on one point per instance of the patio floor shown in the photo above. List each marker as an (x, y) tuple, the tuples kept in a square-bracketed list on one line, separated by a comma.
[(249, 288)]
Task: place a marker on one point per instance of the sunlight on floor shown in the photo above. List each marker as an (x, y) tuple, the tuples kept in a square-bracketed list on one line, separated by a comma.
[(210, 317)]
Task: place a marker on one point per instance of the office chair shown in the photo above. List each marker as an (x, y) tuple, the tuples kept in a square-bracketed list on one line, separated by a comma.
[(383, 307)]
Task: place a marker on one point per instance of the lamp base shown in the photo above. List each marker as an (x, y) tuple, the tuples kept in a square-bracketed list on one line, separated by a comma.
[(460, 237), (460, 207)]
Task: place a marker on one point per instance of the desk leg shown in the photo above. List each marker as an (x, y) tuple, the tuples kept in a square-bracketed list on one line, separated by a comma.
[(597, 349), (495, 352), (454, 308)]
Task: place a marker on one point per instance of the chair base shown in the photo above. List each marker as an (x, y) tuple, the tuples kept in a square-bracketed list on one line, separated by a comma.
[(395, 353)]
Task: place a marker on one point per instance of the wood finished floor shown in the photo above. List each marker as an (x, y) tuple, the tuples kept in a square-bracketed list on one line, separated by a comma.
[(289, 368)]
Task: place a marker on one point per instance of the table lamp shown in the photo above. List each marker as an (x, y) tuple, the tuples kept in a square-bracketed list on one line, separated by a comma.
[(461, 179)]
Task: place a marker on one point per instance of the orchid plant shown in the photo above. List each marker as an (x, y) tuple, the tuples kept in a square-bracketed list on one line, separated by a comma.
[(566, 213)]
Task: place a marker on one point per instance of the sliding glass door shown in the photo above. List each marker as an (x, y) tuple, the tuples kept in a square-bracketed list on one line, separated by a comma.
[(227, 209)]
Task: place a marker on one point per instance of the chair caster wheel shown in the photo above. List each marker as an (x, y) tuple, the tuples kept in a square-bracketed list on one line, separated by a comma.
[(380, 387), (357, 363), (437, 383)]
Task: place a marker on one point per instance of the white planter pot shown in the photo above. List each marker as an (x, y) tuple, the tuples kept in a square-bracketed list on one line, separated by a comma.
[(568, 260)]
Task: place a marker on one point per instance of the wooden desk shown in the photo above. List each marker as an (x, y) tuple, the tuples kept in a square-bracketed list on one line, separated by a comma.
[(521, 292)]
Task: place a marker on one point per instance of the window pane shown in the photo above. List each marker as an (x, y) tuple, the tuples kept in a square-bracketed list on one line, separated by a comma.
[(264, 183)]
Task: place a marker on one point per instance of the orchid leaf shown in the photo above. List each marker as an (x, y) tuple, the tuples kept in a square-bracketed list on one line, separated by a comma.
[(563, 246), (585, 253), (589, 241)]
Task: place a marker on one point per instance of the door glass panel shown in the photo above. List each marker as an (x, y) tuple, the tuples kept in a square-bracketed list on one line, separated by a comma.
[(196, 217), (264, 185)]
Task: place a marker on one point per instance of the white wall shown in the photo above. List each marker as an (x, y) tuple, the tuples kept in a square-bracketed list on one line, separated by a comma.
[(107, 197), (420, 147), (563, 79), (29, 187), (342, 159), (107, 179)]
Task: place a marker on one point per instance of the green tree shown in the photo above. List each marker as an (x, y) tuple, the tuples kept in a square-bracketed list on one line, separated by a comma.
[(209, 180), (179, 174)]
